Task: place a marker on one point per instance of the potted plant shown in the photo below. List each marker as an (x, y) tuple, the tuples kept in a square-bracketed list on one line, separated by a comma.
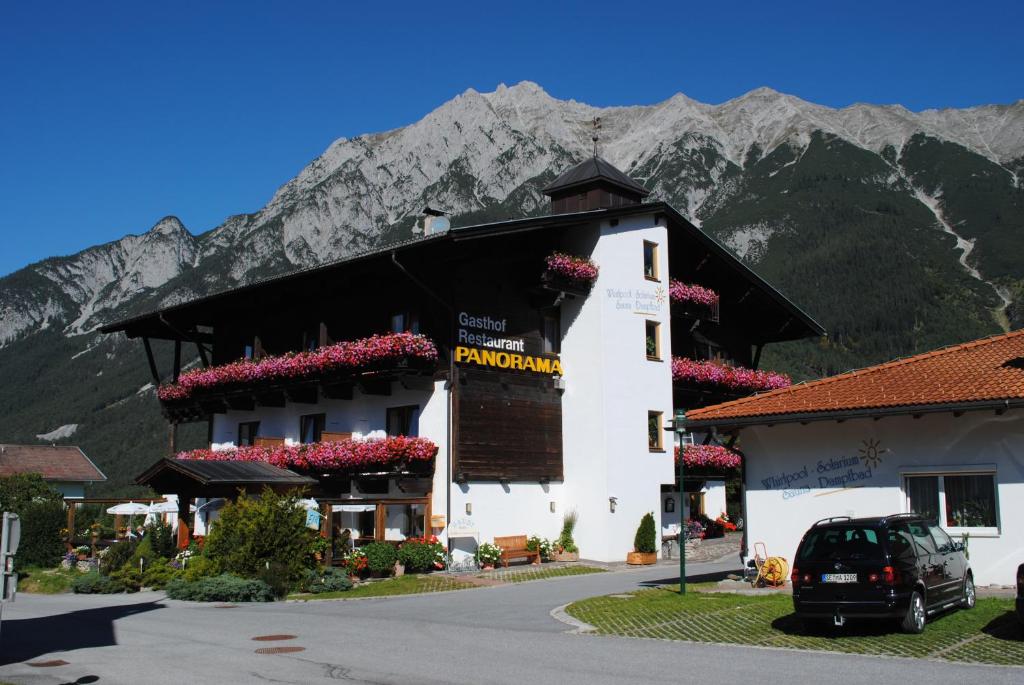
[(82, 552), (488, 555), (535, 543), (565, 546), (644, 543), (319, 547)]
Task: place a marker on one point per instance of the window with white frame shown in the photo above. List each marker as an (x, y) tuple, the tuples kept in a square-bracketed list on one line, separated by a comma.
[(954, 500)]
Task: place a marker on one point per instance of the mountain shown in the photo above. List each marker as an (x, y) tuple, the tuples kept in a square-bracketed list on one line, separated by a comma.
[(899, 231)]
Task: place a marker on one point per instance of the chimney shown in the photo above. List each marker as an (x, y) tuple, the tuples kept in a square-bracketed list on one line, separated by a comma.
[(431, 221)]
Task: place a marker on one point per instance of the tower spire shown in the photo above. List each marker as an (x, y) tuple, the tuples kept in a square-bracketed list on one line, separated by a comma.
[(596, 136)]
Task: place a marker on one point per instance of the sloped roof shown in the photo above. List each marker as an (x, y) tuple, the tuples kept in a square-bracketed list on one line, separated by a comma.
[(986, 373), (593, 169), (224, 472), (54, 462)]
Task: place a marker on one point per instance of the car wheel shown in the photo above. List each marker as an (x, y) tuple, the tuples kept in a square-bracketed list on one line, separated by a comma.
[(970, 595), (914, 620)]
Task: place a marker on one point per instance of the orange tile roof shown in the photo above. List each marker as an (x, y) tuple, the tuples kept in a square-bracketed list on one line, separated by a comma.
[(986, 371)]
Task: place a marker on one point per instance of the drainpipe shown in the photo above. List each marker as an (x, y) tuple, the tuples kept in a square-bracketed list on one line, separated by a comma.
[(450, 388)]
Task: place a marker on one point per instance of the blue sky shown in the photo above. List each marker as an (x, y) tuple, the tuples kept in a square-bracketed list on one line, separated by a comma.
[(114, 114)]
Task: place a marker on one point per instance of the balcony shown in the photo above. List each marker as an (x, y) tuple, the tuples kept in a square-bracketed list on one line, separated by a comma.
[(701, 382), (693, 301), (369, 363), (396, 455), (570, 274)]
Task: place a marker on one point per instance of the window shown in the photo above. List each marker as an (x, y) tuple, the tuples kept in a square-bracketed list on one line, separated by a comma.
[(955, 500), (405, 322), (650, 260), (552, 332), (654, 431), (670, 505), (247, 432), (653, 334), (403, 420), (248, 351), (311, 427)]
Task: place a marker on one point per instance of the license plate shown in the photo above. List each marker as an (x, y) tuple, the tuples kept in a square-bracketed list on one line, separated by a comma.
[(839, 577)]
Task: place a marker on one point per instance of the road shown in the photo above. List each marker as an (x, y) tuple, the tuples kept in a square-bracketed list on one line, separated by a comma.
[(502, 634)]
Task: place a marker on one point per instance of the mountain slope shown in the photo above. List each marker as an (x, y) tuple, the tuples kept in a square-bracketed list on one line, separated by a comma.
[(899, 231)]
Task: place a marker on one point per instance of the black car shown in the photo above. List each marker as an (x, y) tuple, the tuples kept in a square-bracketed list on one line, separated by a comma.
[(1020, 593), (899, 566)]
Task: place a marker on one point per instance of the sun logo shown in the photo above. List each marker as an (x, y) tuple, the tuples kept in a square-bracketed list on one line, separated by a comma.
[(659, 295), (871, 453)]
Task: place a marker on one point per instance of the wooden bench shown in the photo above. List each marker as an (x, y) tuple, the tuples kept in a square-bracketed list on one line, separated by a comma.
[(514, 547)]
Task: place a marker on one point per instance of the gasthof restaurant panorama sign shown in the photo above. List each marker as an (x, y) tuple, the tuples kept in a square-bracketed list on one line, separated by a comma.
[(481, 340)]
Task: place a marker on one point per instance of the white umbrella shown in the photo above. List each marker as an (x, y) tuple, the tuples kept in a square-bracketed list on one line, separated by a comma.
[(308, 504), (168, 508), (129, 509)]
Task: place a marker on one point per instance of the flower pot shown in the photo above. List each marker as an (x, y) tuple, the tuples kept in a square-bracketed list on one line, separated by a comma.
[(566, 556), (488, 567), (399, 569), (641, 558)]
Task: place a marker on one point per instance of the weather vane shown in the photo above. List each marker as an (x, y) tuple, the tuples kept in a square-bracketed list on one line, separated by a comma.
[(597, 133)]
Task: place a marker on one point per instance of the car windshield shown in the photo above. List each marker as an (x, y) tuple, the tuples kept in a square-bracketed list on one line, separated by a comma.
[(841, 542)]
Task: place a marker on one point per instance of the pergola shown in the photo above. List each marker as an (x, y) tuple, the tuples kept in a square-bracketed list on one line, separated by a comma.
[(195, 478)]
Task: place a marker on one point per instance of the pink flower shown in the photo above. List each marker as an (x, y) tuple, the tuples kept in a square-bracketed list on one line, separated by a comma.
[(343, 356), (343, 455), (716, 373), (683, 293), (572, 267), (714, 456)]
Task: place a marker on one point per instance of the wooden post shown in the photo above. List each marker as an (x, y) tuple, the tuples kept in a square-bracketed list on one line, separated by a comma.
[(117, 526), (152, 362), (380, 522), (71, 523), (184, 520), (172, 440)]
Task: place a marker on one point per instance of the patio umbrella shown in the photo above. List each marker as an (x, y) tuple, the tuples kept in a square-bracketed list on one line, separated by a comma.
[(168, 508), (129, 509)]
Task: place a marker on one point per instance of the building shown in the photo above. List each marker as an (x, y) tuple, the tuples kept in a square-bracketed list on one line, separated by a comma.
[(940, 434), (64, 467), (533, 360)]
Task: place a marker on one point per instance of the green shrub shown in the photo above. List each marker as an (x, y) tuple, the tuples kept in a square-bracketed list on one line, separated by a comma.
[(128, 577), (144, 553), (535, 543), (93, 583), (380, 558), (158, 575), (275, 575), (421, 555), (252, 531), (20, 490), (326, 580), (565, 539), (117, 555), (40, 544), (222, 588), (197, 567), (160, 539), (646, 537)]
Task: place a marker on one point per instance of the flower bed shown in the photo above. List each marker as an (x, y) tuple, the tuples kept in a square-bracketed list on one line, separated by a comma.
[(683, 293), (715, 456), (344, 455), (344, 356), (579, 270), (734, 378)]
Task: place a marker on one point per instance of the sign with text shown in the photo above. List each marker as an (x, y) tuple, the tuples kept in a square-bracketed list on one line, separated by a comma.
[(483, 340)]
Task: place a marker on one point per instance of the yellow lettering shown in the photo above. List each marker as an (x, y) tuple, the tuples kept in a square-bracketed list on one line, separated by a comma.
[(543, 365), (460, 353), (517, 361), (487, 357), (503, 360), (529, 365), (556, 367), (474, 356)]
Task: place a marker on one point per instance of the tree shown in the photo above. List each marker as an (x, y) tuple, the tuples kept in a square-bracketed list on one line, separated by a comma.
[(41, 510)]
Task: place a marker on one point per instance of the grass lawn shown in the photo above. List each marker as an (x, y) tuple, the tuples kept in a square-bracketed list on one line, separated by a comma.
[(522, 574), (405, 585), (47, 581), (988, 634)]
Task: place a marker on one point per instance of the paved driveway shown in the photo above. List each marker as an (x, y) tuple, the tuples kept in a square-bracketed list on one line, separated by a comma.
[(500, 634)]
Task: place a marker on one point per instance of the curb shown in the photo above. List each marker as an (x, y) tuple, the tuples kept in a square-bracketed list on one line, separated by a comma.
[(579, 627)]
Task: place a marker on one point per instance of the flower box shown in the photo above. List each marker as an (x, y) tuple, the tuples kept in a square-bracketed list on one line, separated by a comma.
[(641, 558), (695, 301), (569, 273), (720, 376), (566, 556), (378, 352), (713, 456), (341, 456)]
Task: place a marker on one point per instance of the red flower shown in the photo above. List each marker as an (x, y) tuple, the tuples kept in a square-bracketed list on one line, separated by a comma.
[(714, 456), (732, 377), (572, 267), (344, 455), (691, 293), (343, 356)]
